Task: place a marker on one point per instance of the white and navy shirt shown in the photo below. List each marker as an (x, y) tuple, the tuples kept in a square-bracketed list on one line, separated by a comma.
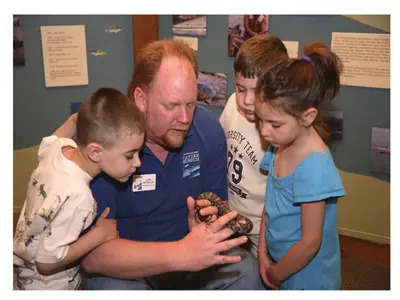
[(245, 151)]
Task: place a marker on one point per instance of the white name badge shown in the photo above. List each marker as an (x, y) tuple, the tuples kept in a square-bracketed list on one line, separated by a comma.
[(144, 182)]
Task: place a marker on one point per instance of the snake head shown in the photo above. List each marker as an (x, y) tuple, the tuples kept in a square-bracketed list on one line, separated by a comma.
[(241, 225)]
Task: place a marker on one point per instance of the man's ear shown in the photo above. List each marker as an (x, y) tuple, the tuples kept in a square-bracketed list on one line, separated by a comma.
[(94, 152), (140, 99), (308, 117)]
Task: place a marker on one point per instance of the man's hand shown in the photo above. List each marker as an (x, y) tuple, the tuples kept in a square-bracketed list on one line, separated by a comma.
[(74, 118), (68, 129), (204, 245)]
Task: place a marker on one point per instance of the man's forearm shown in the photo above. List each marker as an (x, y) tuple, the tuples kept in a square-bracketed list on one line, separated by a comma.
[(68, 129), (126, 259), (201, 248)]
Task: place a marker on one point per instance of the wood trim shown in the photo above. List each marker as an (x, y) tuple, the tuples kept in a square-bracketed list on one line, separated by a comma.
[(144, 30), (364, 235)]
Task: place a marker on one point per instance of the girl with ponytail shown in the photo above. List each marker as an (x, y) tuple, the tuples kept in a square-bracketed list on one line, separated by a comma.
[(299, 245)]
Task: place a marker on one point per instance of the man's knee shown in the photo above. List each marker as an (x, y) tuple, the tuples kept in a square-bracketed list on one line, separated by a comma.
[(108, 283), (243, 275), (248, 265)]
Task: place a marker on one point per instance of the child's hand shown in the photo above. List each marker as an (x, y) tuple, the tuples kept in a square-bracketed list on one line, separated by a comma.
[(106, 227), (264, 264), (271, 277)]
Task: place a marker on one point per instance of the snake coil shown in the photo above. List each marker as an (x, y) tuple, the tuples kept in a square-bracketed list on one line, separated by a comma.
[(240, 224)]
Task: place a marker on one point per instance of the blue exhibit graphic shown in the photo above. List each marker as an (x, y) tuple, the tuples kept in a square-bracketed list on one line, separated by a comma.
[(212, 88), (189, 25), (380, 150)]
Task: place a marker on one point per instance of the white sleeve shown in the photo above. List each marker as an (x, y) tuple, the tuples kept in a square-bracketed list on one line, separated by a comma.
[(45, 144), (65, 229), (48, 142)]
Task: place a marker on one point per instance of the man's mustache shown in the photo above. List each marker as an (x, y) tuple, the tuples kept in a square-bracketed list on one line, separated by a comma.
[(184, 128)]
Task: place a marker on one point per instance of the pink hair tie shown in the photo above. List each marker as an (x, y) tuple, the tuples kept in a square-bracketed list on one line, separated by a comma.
[(306, 58)]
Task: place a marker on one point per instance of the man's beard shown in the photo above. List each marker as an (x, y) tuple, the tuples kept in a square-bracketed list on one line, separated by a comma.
[(173, 141)]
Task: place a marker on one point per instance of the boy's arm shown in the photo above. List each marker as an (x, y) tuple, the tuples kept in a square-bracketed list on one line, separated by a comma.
[(68, 129), (312, 222), (104, 230)]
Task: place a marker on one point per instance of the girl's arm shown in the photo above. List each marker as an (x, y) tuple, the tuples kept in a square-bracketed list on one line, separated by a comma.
[(105, 229), (68, 129), (300, 254), (262, 244), (263, 259)]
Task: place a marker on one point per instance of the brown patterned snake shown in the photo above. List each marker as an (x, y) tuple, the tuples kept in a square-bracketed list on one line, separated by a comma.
[(240, 224)]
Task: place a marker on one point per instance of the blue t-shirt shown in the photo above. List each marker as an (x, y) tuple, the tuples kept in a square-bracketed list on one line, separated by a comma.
[(161, 214), (315, 178)]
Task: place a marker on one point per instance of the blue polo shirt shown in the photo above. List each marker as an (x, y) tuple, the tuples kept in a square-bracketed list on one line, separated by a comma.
[(161, 214)]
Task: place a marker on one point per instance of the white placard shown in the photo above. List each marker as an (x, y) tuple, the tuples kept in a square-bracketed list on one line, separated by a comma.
[(366, 58), (64, 55), (292, 48), (144, 182), (190, 41)]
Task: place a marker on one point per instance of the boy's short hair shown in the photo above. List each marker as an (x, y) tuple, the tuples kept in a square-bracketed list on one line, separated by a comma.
[(258, 53), (105, 116)]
